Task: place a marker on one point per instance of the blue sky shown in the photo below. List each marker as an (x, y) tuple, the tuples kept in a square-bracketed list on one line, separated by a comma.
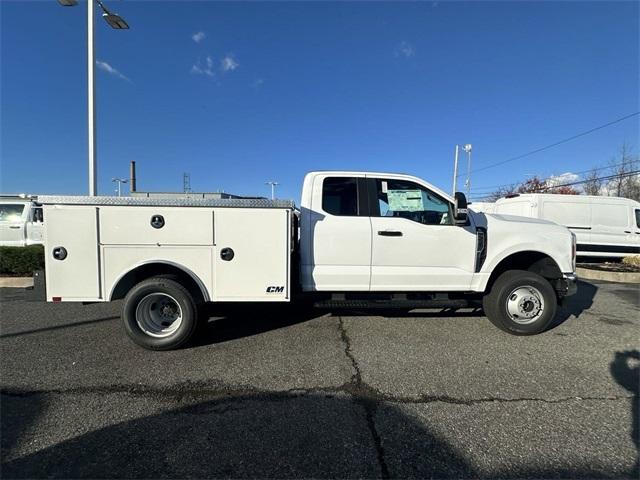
[(270, 90)]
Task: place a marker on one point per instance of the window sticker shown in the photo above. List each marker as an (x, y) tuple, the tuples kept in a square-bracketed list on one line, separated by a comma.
[(384, 186), (405, 200)]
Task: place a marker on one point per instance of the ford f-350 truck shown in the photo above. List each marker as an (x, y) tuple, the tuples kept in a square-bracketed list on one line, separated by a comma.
[(359, 239)]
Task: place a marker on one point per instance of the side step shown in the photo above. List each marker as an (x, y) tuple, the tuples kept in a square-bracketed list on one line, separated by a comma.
[(392, 303)]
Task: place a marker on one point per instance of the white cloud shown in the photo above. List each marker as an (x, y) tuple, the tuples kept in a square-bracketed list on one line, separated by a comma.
[(206, 68), (198, 37), (257, 83), (110, 70), (228, 64), (405, 49), (562, 179)]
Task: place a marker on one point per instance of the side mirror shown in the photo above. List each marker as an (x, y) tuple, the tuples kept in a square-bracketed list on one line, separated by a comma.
[(460, 209)]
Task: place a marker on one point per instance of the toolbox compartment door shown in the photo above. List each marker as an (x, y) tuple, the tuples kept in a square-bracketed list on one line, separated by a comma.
[(252, 254), (156, 225), (72, 233)]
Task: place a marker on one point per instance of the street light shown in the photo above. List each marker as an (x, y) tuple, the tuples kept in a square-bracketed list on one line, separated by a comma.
[(273, 188), (118, 23), (120, 181), (467, 149)]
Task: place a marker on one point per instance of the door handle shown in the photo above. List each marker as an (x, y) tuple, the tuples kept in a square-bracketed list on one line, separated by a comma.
[(390, 233), (15, 227), (627, 231)]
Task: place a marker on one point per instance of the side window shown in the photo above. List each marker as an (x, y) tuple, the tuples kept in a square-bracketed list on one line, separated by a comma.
[(37, 214), (11, 212), (637, 218), (340, 196), (401, 198)]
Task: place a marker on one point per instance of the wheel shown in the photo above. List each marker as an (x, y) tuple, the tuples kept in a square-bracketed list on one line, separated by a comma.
[(160, 314), (520, 303)]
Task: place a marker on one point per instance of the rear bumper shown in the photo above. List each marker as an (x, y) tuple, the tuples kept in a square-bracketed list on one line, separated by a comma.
[(567, 285)]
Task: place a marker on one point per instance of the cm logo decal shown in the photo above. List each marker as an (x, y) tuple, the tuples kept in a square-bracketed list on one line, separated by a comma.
[(274, 289)]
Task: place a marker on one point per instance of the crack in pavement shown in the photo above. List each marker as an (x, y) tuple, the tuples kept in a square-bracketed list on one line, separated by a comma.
[(361, 394)]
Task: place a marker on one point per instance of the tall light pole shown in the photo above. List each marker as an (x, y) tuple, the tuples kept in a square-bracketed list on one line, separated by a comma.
[(119, 181), (273, 188), (455, 170), (118, 23), (467, 148)]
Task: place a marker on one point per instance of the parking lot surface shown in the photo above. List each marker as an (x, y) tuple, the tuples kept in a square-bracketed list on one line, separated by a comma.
[(277, 392)]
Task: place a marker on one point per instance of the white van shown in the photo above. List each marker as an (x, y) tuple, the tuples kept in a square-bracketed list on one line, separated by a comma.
[(21, 221), (604, 226)]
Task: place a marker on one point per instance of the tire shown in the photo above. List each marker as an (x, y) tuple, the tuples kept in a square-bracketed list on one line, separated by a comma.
[(160, 314), (521, 303)]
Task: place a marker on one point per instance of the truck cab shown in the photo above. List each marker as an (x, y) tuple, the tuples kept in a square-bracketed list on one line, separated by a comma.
[(375, 232), (21, 221)]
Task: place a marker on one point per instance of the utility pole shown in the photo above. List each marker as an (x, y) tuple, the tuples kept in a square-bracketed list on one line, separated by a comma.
[(455, 170), (467, 148), (273, 188), (186, 182), (119, 181)]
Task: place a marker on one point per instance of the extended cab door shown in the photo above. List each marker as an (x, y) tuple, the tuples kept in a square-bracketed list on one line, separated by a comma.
[(416, 246), (336, 250)]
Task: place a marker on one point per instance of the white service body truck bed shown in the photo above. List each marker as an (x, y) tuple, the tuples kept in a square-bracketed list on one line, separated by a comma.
[(104, 237)]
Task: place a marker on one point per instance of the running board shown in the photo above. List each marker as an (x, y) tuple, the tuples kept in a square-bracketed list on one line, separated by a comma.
[(400, 304)]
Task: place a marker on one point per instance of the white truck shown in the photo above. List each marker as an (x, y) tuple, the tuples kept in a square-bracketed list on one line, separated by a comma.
[(604, 226), (21, 221), (359, 239)]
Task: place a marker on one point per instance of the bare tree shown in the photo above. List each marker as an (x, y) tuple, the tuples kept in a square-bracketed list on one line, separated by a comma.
[(624, 182), (502, 192), (592, 183)]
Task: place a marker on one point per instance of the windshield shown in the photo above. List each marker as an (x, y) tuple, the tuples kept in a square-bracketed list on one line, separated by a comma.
[(11, 212)]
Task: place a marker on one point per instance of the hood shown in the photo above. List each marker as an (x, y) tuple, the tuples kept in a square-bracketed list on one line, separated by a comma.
[(519, 219)]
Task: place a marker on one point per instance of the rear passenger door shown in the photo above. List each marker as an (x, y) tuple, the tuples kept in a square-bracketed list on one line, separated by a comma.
[(340, 235)]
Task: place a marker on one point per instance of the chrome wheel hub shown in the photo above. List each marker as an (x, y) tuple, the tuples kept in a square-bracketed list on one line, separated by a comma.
[(525, 304)]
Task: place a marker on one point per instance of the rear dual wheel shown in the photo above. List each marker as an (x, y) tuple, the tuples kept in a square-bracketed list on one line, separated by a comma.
[(521, 303), (160, 314)]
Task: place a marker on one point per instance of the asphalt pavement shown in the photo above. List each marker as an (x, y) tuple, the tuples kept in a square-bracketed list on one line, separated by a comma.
[(277, 392)]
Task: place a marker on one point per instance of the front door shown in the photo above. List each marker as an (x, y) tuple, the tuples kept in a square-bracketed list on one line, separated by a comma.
[(416, 245)]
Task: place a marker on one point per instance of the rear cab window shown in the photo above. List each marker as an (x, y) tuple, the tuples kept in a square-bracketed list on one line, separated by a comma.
[(637, 218), (340, 196)]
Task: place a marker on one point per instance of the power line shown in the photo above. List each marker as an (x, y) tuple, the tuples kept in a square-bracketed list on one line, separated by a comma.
[(555, 144), (570, 184), (596, 169)]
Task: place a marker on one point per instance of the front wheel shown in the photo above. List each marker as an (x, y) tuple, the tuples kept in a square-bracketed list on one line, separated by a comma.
[(521, 303), (159, 314)]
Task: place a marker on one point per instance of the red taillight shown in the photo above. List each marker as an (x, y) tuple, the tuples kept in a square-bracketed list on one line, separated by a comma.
[(56, 299)]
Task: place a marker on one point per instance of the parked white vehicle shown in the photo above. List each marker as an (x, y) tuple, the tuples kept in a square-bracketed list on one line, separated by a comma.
[(359, 240), (21, 221), (604, 226)]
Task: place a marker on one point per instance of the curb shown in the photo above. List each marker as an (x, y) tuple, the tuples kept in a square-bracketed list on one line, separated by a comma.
[(16, 282), (620, 277)]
